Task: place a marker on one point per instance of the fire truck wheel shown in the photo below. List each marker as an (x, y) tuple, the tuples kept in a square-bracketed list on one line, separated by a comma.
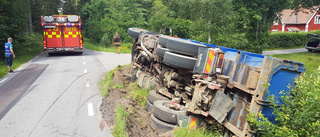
[(135, 32), (160, 51), (160, 125), (178, 60), (183, 46), (162, 111), (154, 96), (163, 41), (149, 107)]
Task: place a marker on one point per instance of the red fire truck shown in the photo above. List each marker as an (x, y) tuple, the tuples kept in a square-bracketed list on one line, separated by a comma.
[(62, 33)]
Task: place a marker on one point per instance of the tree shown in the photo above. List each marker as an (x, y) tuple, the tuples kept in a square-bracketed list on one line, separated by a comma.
[(255, 18)]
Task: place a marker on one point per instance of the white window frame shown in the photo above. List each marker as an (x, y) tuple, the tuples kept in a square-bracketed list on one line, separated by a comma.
[(276, 22), (317, 19)]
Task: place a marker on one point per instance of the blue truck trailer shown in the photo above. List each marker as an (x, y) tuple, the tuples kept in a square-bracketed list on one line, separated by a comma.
[(196, 82)]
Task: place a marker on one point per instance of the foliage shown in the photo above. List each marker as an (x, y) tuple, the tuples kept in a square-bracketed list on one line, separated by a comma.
[(285, 39), (255, 18), (106, 83), (26, 49), (298, 116), (122, 118)]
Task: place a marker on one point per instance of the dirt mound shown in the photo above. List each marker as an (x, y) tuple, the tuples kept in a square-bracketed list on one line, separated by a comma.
[(138, 125)]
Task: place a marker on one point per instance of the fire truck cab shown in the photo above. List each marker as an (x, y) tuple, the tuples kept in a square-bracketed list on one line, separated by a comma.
[(62, 33)]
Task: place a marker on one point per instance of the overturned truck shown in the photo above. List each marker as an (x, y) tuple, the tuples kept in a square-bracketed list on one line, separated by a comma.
[(193, 82)]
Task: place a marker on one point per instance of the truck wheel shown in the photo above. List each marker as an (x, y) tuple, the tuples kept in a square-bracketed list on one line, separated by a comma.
[(160, 125), (310, 50), (160, 51), (149, 107), (154, 96), (179, 60), (164, 113), (183, 46), (135, 32)]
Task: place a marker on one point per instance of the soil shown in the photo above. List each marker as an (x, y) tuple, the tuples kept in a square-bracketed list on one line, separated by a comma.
[(138, 125)]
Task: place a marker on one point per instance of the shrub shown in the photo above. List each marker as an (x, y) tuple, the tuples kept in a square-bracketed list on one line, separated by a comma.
[(287, 39), (298, 116)]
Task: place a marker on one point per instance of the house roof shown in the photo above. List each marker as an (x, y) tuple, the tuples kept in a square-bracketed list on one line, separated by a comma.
[(288, 16)]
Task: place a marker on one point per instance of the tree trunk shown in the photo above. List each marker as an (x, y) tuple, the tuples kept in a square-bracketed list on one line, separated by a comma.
[(29, 16)]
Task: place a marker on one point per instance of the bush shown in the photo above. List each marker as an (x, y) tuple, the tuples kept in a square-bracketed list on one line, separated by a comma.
[(287, 39), (298, 116)]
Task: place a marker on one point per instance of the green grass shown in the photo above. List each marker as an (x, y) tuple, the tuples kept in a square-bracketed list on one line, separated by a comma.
[(141, 96), (202, 132), (17, 62), (310, 60), (282, 48), (105, 84), (124, 48), (121, 122)]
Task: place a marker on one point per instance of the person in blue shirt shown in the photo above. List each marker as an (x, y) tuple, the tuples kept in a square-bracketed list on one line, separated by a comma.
[(9, 54)]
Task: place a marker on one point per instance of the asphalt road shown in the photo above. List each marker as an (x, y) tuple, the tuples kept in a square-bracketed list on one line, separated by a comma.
[(56, 95), (285, 51)]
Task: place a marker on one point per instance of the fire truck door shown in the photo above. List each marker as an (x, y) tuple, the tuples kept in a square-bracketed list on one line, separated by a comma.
[(53, 37), (71, 37)]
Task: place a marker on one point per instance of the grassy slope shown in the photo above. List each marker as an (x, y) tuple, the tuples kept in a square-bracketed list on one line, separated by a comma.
[(124, 48), (310, 60)]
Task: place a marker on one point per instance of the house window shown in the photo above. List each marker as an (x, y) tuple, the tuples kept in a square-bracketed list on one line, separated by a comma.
[(317, 19), (276, 22)]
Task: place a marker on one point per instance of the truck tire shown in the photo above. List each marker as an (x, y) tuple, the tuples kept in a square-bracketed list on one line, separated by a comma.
[(135, 32), (162, 112), (163, 41), (160, 125), (149, 107), (160, 51), (154, 96), (178, 60), (183, 46)]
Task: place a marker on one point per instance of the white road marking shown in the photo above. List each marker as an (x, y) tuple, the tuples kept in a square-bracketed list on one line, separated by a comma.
[(37, 56), (84, 63), (87, 84), (3, 80), (85, 70), (83, 57), (20, 68), (90, 109)]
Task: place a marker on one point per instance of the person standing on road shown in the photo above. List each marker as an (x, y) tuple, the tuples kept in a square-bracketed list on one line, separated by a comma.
[(116, 41), (9, 54)]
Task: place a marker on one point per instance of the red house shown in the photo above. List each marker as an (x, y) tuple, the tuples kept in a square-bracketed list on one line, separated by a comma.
[(304, 20)]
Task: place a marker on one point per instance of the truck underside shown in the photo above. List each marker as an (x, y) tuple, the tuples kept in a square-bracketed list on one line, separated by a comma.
[(214, 83)]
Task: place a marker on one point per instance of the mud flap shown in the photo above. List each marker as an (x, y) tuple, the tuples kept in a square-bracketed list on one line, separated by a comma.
[(220, 107)]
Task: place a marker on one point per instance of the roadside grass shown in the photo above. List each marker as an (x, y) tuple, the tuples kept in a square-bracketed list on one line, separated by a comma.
[(310, 60), (282, 48), (201, 132), (106, 83), (124, 48), (122, 118), (141, 96)]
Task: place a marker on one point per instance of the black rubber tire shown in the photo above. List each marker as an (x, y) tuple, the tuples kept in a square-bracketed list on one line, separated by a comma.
[(149, 106), (179, 60), (159, 125), (310, 50), (183, 46), (166, 114), (135, 32), (163, 41), (160, 51), (154, 96)]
